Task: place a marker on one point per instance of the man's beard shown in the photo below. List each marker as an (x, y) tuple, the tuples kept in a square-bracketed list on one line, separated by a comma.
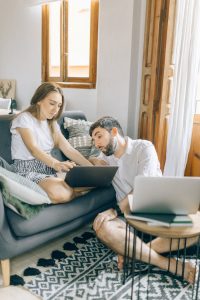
[(111, 147)]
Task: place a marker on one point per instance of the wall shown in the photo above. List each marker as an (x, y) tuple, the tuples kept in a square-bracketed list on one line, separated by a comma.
[(137, 43), (118, 58), (114, 59), (20, 52)]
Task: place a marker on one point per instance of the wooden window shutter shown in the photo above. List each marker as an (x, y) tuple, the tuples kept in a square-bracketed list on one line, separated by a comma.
[(157, 74)]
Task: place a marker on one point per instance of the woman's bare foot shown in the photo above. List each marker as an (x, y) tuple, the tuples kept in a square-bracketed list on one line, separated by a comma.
[(120, 262)]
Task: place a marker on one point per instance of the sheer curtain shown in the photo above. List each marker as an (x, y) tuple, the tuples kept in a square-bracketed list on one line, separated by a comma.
[(186, 59)]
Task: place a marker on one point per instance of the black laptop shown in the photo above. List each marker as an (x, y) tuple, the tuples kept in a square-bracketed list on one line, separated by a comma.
[(90, 176)]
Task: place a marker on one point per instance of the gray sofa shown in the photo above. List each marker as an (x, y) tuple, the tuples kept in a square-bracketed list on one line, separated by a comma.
[(19, 235)]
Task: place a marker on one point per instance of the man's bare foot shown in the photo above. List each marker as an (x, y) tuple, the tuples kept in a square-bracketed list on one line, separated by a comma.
[(189, 271), (120, 262)]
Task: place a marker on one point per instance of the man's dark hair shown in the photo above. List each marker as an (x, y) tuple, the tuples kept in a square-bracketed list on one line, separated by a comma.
[(107, 123)]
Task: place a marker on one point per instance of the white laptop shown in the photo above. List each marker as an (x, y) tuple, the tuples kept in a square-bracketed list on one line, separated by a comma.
[(166, 195)]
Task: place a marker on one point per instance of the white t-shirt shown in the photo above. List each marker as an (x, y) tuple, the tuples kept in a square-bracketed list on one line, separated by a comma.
[(41, 133), (140, 158)]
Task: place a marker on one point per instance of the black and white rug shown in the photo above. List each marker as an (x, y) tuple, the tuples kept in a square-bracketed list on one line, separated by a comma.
[(86, 269)]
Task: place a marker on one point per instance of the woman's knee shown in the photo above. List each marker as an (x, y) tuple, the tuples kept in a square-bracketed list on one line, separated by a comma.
[(60, 198), (60, 194)]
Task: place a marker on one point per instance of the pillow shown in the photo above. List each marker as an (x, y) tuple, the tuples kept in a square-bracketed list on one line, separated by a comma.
[(57, 154), (4, 164), (21, 208), (19, 192), (79, 136)]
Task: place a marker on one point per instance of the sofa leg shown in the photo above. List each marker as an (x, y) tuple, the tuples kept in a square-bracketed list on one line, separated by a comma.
[(5, 266)]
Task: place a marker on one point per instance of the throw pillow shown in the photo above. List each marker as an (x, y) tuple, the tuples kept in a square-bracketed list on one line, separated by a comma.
[(79, 136), (57, 154), (20, 193), (21, 208), (4, 164)]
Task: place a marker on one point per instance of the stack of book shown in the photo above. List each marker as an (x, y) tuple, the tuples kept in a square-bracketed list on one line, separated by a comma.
[(167, 220)]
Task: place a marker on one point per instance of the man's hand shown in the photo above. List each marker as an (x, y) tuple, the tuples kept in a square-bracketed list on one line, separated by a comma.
[(97, 162), (124, 205), (106, 215)]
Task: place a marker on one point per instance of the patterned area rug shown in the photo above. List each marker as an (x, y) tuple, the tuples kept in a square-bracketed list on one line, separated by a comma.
[(86, 269)]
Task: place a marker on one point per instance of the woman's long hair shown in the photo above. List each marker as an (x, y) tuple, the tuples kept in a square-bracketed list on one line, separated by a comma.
[(41, 92)]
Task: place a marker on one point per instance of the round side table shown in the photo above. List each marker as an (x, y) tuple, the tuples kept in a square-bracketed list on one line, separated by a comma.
[(177, 233)]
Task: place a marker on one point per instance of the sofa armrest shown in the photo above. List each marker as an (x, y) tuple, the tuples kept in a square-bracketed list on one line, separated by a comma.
[(2, 211), (7, 238)]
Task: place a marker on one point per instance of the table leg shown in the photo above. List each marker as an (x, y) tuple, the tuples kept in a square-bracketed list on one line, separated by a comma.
[(125, 254), (149, 266), (177, 257), (198, 278), (170, 255), (133, 262), (139, 276), (184, 256)]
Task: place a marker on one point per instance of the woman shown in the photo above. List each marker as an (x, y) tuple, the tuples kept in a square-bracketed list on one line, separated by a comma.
[(35, 133)]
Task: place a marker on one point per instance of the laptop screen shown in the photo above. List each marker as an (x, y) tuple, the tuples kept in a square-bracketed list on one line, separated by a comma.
[(166, 195)]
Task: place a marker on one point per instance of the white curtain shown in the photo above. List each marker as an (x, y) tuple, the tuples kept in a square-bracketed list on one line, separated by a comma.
[(37, 2), (186, 59)]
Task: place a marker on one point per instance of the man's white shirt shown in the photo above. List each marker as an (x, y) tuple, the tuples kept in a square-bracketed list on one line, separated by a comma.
[(139, 158)]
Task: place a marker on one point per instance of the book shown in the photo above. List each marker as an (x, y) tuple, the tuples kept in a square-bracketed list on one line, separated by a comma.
[(168, 220)]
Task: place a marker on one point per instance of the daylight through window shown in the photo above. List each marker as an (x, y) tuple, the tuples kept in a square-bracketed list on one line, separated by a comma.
[(69, 42)]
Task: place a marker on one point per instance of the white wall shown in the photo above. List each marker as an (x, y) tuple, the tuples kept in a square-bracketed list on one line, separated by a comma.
[(114, 59), (20, 51), (137, 43), (20, 58)]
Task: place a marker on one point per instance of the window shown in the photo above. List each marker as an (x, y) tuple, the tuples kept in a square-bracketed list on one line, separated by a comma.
[(69, 42)]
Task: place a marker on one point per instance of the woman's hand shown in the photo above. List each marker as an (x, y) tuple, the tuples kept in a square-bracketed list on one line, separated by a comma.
[(63, 166), (106, 215)]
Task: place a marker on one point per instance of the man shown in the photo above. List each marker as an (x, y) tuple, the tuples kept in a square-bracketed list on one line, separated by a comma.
[(133, 157)]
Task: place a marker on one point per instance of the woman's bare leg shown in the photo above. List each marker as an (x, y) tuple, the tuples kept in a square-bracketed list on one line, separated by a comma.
[(57, 190), (112, 233)]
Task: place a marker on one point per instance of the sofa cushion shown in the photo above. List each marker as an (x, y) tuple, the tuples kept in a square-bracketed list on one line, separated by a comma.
[(79, 137), (76, 115), (23, 188), (57, 154), (56, 215), (23, 209), (20, 194), (5, 165), (5, 144)]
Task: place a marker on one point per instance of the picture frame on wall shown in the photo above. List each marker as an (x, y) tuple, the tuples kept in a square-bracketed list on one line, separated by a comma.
[(7, 88)]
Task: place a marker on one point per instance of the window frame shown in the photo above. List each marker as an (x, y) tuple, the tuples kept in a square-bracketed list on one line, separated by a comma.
[(64, 80)]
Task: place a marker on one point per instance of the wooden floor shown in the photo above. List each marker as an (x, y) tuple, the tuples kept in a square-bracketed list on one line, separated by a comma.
[(16, 293)]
